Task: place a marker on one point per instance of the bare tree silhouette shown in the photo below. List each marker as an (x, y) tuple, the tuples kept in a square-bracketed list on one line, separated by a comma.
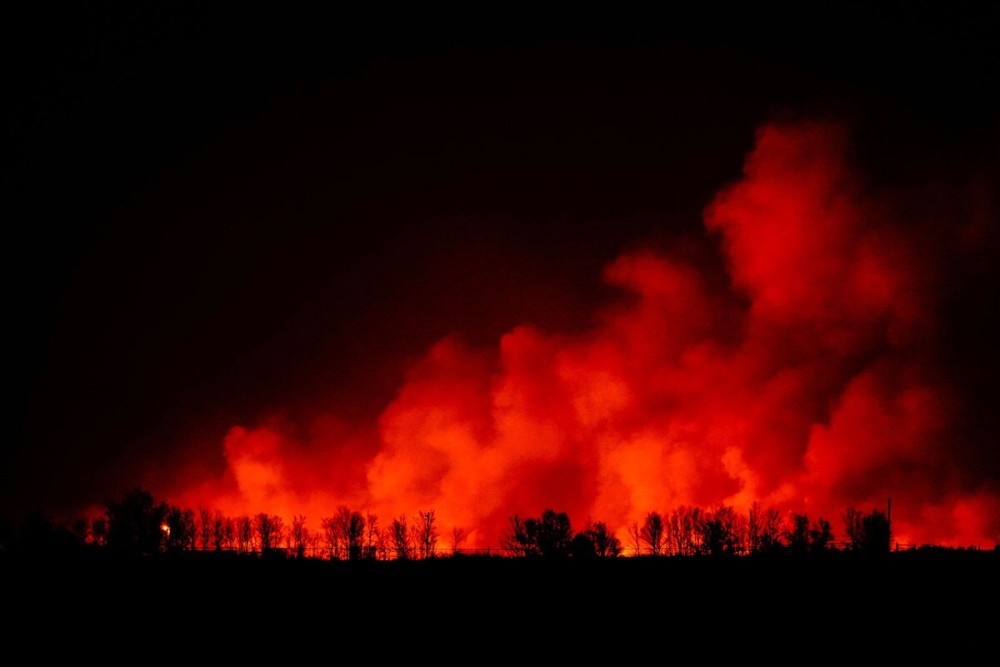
[(401, 539), (427, 534), (352, 531), (205, 523), (798, 534), (684, 533), (244, 534), (549, 536), (606, 545), (383, 543), (820, 536), (269, 529), (651, 533), (298, 536), (868, 533), (635, 538), (517, 542), (373, 535), (763, 529), (331, 537), (219, 525), (722, 532)]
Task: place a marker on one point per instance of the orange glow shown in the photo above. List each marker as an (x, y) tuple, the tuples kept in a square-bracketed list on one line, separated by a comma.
[(807, 383)]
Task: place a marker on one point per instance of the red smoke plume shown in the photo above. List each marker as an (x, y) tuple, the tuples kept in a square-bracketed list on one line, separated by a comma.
[(806, 382)]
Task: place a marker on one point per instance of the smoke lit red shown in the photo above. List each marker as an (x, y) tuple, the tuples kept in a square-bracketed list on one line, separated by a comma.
[(807, 382)]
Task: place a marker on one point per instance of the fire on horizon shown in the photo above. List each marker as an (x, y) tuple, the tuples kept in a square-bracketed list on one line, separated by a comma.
[(283, 263), (809, 380)]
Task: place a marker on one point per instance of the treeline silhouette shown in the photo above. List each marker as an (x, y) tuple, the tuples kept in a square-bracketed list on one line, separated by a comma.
[(137, 524)]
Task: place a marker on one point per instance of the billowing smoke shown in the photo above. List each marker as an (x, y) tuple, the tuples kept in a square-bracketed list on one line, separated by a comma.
[(810, 380)]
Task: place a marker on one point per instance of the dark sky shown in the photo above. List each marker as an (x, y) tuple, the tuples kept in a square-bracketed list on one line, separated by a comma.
[(215, 215)]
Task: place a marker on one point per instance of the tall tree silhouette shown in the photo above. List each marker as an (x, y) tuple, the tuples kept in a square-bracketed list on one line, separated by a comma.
[(181, 531), (722, 532), (331, 537), (868, 533), (553, 534), (349, 527), (401, 539), (205, 523), (269, 529), (222, 531), (134, 523), (764, 529), (427, 534), (820, 536), (517, 542), (549, 536), (651, 533), (244, 534), (606, 545), (683, 528), (298, 536), (373, 535), (798, 534), (635, 538)]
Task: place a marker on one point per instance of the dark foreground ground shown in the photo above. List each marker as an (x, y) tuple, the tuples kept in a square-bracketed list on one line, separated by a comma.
[(200, 582), (915, 606)]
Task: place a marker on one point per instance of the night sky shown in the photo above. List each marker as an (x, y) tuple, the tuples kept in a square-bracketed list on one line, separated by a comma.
[(217, 216)]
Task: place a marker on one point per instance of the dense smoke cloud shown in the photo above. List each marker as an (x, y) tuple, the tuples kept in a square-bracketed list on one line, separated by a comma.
[(810, 381)]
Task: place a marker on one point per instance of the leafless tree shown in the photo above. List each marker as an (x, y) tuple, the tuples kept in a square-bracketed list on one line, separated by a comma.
[(651, 533), (372, 535), (228, 533), (204, 527), (401, 538), (868, 533), (755, 520), (550, 536), (331, 537), (427, 534), (312, 543), (820, 536), (244, 534), (606, 545), (218, 530), (517, 541), (269, 529), (298, 536), (352, 531), (383, 543), (853, 525), (722, 532), (683, 529), (771, 533), (798, 534), (635, 538)]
